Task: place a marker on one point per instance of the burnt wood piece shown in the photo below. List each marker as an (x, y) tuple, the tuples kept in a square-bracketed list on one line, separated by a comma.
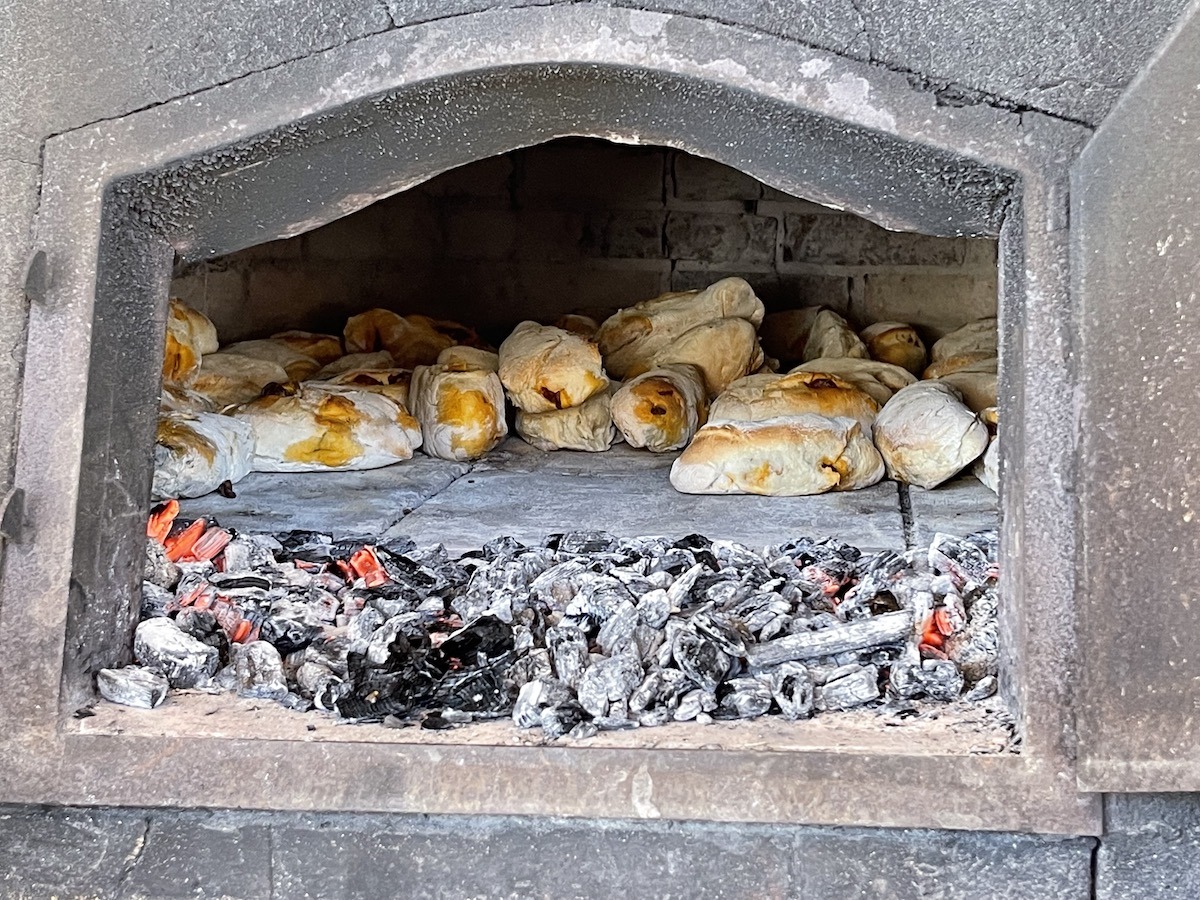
[(878, 631)]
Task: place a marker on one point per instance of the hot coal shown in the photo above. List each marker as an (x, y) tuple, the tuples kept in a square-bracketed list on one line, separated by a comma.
[(582, 632)]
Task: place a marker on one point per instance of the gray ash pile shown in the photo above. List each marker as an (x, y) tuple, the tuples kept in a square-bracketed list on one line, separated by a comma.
[(581, 632)]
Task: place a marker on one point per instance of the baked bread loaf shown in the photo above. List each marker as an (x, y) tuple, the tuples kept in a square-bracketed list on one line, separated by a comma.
[(926, 434), (896, 343), (178, 399), (878, 380), (392, 383), (979, 336), (460, 358), (545, 368), (380, 359), (230, 378), (315, 430), (461, 412), (412, 341), (661, 409), (973, 361), (987, 467), (195, 454), (297, 365), (789, 456), (978, 388), (190, 335), (588, 426), (757, 398), (832, 336), (723, 351), (656, 333), (584, 326), (324, 348)]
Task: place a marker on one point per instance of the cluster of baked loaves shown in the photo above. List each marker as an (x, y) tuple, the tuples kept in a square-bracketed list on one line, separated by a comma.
[(791, 403)]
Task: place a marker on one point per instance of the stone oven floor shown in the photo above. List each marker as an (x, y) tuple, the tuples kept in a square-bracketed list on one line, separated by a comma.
[(526, 493), (958, 729)]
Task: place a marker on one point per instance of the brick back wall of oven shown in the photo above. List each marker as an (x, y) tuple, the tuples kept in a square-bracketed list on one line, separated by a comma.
[(583, 226)]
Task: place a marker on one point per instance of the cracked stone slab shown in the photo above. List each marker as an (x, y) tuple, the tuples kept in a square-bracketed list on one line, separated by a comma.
[(960, 506), (69, 852), (350, 504), (628, 493)]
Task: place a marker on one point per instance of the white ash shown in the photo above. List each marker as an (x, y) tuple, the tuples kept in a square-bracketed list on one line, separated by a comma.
[(582, 632)]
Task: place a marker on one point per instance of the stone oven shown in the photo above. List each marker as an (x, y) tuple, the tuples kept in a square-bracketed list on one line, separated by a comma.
[(740, 125)]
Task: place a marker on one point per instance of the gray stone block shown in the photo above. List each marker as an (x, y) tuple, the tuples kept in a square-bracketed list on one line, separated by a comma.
[(903, 864), (628, 234), (529, 494), (190, 855), (848, 240), (1152, 848), (350, 504), (72, 852), (520, 858), (935, 303), (136, 53), (731, 239), (18, 200)]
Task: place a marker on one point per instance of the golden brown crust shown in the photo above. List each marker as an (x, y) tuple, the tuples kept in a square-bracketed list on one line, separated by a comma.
[(896, 343), (756, 398), (545, 368), (789, 456)]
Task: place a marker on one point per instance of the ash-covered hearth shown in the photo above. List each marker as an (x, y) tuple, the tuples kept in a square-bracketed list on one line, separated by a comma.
[(580, 633)]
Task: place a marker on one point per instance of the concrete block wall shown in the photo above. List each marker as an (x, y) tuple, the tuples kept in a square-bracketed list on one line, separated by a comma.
[(588, 226)]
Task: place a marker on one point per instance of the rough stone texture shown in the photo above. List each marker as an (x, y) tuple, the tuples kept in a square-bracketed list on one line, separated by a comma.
[(1152, 848), (77, 852), (1136, 230), (18, 200), (352, 504), (138, 53), (1065, 57), (960, 506), (147, 853)]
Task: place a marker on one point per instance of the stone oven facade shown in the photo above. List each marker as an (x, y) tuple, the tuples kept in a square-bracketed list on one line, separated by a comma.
[(348, 108)]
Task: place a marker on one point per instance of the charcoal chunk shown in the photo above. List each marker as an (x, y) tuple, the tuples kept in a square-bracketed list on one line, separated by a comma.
[(983, 689), (562, 718), (161, 645), (159, 570), (943, 680), (260, 672), (744, 698), (155, 600), (701, 659), (616, 634), (536, 696), (133, 686), (606, 686), (792, 688), (855, 689), (568, 652), (654, 608)]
